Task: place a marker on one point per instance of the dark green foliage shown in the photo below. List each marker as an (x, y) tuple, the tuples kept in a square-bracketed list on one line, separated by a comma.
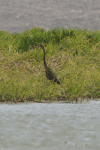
[(28, 39)]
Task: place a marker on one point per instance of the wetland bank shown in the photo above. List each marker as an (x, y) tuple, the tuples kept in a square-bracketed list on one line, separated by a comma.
[(74, 54)]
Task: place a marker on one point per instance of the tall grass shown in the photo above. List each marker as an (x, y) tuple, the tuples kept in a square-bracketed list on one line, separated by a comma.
[(74, 54)]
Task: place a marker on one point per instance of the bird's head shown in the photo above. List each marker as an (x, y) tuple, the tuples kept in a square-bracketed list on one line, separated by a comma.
[(41, 46)]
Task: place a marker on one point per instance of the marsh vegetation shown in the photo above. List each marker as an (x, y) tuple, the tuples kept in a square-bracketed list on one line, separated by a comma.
[(74, 54)]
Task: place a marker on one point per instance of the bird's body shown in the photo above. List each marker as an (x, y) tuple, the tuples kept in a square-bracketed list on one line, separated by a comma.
[(50, 74)]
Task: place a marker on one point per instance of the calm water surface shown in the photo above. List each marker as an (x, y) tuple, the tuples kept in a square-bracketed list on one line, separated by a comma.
[(19, 15), (52, 126)]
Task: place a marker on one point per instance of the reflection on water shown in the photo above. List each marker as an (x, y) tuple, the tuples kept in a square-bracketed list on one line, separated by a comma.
[(52, 126)]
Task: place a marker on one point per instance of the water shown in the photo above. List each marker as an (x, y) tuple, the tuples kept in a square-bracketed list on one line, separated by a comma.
[(52, 126), (19, 15)]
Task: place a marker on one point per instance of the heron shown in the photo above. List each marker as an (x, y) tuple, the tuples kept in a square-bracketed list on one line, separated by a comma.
[(50, 74)]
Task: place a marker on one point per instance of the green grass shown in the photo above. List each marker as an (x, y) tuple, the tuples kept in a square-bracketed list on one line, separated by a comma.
[(74, 54)]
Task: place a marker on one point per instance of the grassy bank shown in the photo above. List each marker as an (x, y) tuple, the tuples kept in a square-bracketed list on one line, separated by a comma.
[(73, 54)]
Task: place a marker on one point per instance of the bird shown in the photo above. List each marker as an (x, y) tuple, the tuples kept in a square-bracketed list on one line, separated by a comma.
[(50, 74)]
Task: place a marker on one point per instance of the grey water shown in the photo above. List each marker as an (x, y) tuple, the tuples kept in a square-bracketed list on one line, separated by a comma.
[(54, 126), (19, 15)]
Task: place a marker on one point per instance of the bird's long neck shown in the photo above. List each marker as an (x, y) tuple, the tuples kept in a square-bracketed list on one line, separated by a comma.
[(44, 60)]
